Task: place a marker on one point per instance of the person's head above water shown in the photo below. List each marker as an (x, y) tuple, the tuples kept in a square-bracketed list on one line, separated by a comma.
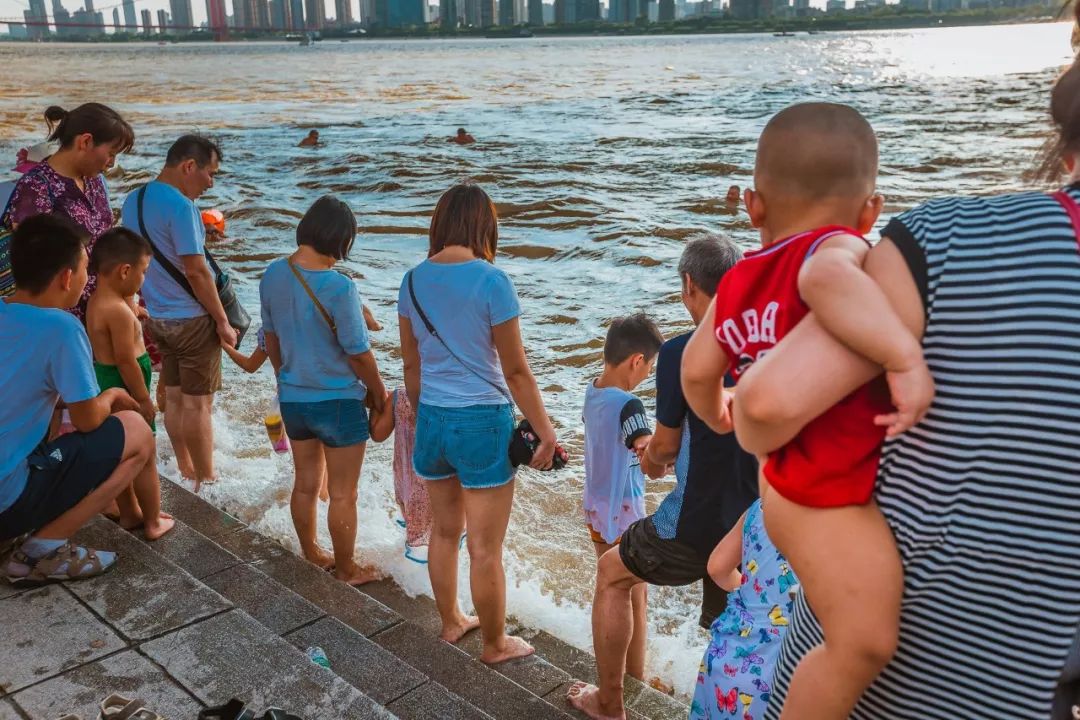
[(465, 216), (314, 134), (191, 164), (92, 135), (733, 194), (461, 131), (818, 162), (328, 228)]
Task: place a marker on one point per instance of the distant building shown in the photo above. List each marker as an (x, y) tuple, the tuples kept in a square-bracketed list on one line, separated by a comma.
[(566, 12), (536, 12), (296, 15), (130, 22), (314, 14), (37, 20), (279, 14), (163, 21), (17, 31), (588, 11), (343, 14), (181, 16), (666, 11), (62, 19), (506, 12), (398, 13), (916, 5), (835, 6), (448, 14), (944, 6), (147, 22), (116, 19)]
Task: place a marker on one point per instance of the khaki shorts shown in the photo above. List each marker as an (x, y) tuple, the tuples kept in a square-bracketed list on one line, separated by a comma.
[(190, 354)]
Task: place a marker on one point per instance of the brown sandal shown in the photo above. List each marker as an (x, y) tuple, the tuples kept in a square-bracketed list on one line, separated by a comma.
[(46, 569)]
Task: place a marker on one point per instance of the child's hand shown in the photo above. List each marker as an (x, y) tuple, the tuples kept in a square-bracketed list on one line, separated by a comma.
[(912, 391), (147, 410), (372, 324), (640, 443)]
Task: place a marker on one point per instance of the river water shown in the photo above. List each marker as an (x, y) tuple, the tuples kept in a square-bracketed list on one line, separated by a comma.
[(603, 154)]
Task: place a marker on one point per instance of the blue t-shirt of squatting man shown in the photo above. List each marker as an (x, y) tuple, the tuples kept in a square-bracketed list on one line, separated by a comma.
[(46, 357)]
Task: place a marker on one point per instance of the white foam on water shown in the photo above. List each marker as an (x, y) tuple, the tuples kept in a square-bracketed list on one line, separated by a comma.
[(254, 485)]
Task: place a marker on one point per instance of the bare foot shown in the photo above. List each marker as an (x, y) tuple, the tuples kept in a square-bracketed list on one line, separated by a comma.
[(586, 698), (154, 530), (512, 648), (359, 576), (320, 557), (465, 624), (112, 512)]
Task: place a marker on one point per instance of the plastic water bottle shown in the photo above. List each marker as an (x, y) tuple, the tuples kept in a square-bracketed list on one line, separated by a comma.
[(317, 656), (275, 429)]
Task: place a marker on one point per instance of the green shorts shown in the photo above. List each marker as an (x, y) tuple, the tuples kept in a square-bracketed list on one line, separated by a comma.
[(108, 376)]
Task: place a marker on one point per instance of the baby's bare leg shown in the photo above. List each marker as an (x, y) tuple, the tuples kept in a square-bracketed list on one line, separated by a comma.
[(847, 563)]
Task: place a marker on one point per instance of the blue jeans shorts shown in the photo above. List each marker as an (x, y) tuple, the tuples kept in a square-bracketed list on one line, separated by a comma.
[(336, 423), (470, 442)]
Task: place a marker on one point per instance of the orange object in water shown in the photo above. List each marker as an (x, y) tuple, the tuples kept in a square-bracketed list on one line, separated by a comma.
[(214, 219)]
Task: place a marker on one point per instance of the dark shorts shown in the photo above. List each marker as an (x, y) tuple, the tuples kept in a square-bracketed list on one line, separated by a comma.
[(669, 562), (335, 423), (62, 474)]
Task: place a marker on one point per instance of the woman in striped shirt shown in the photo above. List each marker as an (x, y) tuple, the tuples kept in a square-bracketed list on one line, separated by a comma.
[(982, 495)]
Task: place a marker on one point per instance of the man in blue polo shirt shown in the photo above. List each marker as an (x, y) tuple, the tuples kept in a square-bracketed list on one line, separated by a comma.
[(716, 483)]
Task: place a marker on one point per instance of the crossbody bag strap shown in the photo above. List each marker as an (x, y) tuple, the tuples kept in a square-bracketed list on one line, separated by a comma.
[(435, 334), (311, 294), (1072, 209), (174, 273)]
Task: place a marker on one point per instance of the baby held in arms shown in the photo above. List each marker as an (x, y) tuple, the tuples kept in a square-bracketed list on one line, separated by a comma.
[(813, 201)]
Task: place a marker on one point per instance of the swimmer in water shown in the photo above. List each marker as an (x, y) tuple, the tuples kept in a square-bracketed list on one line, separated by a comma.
[(311, 140), (734, 195), (462, 137)]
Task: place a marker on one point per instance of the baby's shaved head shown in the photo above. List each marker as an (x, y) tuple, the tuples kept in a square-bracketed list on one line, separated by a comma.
[(816, 151)]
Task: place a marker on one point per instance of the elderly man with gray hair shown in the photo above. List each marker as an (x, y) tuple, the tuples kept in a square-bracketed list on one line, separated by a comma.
[(716, 483)]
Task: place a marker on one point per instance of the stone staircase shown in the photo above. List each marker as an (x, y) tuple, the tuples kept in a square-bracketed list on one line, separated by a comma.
[(214, 610)]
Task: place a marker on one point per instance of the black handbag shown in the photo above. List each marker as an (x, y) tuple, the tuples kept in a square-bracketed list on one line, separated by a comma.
[(236, 314)]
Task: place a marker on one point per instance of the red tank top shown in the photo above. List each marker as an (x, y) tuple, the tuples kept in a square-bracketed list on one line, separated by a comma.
[(833, 461)]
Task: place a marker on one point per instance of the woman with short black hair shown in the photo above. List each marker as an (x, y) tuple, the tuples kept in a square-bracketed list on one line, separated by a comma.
[(318, 344)]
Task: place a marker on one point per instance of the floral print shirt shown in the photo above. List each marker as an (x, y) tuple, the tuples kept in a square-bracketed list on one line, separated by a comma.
[(43, 190)]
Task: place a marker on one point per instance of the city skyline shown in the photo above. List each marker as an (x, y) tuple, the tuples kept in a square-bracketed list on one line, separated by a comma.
[(200, 11)]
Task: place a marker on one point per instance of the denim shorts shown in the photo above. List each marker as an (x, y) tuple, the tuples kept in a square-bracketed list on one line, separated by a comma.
[(470, 442), (336, 423)]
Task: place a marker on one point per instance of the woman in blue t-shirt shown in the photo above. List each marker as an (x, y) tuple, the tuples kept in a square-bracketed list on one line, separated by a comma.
[(318, 343), (464, 368)]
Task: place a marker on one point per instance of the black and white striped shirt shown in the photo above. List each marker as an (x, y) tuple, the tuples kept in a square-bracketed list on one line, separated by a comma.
[(983, 495)]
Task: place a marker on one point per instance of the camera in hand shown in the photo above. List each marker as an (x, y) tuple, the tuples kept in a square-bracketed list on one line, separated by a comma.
[(524, 443)]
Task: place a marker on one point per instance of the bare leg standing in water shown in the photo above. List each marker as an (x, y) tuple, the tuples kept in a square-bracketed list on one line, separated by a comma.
[(343, 467), (635, 655), (487, 513), (308, 459), (448, 523)]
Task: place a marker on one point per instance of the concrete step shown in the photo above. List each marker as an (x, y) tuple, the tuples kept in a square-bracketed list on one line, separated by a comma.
[(285, 592), (383, 625), (149, 629)]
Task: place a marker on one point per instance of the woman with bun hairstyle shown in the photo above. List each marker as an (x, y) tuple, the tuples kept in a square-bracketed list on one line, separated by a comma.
[(69, 182)]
